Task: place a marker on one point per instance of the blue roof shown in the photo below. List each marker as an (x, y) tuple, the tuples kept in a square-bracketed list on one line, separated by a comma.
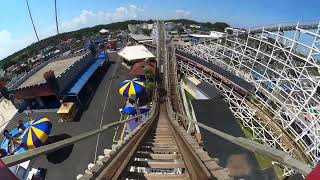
[(87, 74), (102, 55)]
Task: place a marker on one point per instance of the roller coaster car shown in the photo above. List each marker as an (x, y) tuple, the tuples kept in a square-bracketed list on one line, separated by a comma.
[(67, 111)]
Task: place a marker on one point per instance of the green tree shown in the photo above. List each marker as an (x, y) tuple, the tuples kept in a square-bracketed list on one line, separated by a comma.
[(146, 32), (180, 30), (148, 74), (150, 86)]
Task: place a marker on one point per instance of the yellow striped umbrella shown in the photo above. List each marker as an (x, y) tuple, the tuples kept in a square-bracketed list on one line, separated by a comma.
[(36, 134), (132, 88)]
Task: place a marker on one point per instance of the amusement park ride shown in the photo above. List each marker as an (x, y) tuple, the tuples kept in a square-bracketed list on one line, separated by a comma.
[(276, 108), (269, 77)]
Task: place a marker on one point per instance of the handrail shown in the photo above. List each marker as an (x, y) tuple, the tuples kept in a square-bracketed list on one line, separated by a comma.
[(16, 159)]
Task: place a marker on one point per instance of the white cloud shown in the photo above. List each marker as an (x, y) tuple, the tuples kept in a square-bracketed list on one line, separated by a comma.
[(182, 13), (89, 18), (10, 44)]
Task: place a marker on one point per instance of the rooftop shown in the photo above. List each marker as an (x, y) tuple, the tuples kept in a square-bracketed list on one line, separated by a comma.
[(138, 69), (131, 53), (213, 34), (57, 66), (210, 91), (243, 84), (200, 35), (140, 37)]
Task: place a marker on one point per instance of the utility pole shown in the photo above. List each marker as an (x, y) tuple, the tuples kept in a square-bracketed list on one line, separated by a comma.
[(34, 28), (56, 15)]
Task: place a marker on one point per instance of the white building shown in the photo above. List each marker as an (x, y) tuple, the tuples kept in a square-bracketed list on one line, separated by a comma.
[(7, 112), (198, 38), (235, 31), (216, 34), (2, 73)]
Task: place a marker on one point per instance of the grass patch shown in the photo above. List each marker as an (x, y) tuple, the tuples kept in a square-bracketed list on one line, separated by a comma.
[(188, 96), (263, 160)]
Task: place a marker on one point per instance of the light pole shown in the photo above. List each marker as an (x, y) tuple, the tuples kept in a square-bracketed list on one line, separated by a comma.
[(56, 15), (34, 28)]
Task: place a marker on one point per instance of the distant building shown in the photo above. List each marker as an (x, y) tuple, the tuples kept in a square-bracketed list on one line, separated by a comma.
[(147, 26), (2, 73), (64, 46), (140, 38), (216, 34), (170, 26), (123, 34), (137, 28), (48, 48), (10, 68), (198, 38), (235, 31), (195, 26)]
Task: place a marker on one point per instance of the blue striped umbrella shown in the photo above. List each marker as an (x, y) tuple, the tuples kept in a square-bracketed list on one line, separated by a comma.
[(132, 88), (37, 133), (130, 109)]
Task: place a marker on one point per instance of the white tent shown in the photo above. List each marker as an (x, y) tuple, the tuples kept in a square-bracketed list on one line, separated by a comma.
[(132, 53)]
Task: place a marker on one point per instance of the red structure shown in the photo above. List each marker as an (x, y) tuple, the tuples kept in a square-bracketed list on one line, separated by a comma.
[(315, 174), (5, 172), (139, 68)]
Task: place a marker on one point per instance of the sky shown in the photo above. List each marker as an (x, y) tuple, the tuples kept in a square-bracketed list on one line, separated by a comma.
[(16, 30)]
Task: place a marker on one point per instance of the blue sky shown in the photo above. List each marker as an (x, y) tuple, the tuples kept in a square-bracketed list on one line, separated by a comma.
[(16, 30)]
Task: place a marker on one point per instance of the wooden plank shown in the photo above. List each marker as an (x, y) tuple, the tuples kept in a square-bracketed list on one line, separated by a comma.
[(158, 164), (158, 156), (150, 176), (159, 149)]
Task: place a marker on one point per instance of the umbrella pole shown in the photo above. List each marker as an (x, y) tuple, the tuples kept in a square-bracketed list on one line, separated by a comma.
[(138, 110)]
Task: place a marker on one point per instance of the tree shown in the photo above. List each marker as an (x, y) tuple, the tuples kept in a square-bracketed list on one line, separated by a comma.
[(229, 31), (146, 32), (180, 30), (150, 21), (150, 86), (148, 74)]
